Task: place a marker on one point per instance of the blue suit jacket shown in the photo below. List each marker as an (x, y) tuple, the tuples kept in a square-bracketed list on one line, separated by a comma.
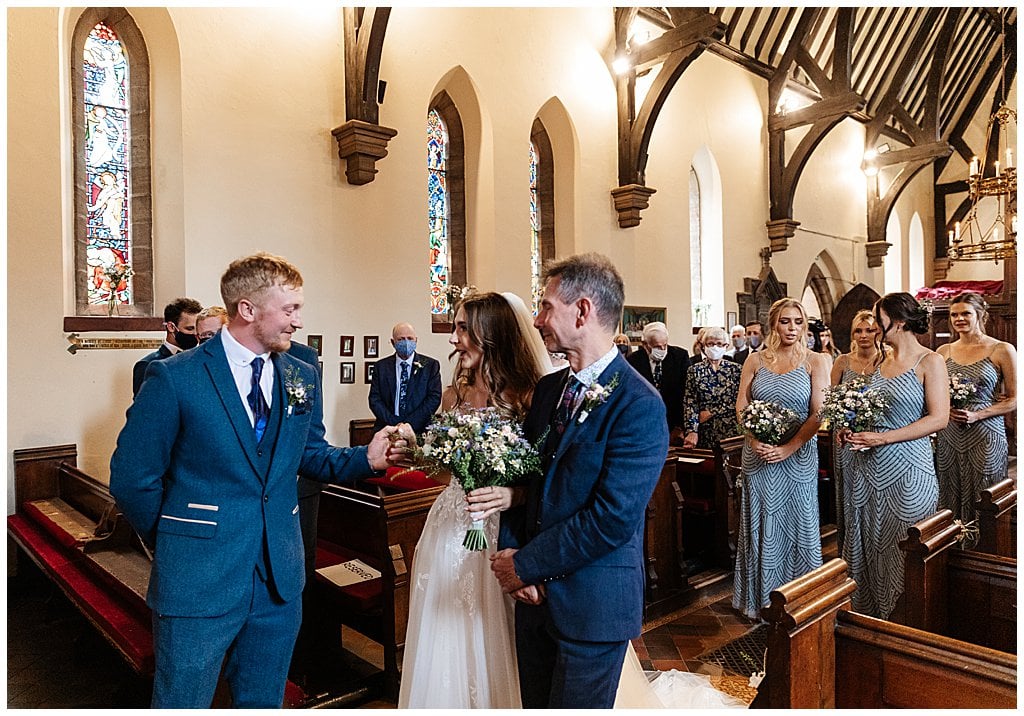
[(186, 473), (139, 370), (581, 530), (423, 394)]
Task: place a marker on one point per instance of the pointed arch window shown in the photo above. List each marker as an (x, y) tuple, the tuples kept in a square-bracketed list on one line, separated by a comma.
[(696, 279), (446, 210), (542, 207), (110, 127)]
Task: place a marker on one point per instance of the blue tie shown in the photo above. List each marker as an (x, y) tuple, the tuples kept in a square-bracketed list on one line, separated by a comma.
[(260, 409), (403, 389)]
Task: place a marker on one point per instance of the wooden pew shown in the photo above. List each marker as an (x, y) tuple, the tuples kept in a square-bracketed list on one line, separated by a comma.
[(822, 655), (997, 519), (706, 492), (666, 587), (67, 523), (360, 431), (380, 528), (966, 595)]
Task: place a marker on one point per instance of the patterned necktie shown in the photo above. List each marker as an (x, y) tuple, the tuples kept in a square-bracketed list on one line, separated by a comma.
[(564, 412), (403, 388), (260, 409), (657, 374)]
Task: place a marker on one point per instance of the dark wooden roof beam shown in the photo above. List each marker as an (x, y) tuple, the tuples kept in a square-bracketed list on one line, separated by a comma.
[(839, 104), (933, 150), (653, 52)]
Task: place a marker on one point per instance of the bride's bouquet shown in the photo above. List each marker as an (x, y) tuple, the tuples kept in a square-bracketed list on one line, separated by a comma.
[(480, 448), (961, 390), (853, 405), (769, 422)]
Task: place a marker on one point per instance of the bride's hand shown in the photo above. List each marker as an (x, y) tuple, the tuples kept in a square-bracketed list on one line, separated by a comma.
[(487, 501)]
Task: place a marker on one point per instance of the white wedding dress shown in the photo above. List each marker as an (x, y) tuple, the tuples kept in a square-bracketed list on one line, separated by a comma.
[(460, 642)]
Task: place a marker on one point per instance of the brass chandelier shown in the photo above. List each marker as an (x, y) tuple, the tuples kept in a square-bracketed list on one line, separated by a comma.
[(992, 190)]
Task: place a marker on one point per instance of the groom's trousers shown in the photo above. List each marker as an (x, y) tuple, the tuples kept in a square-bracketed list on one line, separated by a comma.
[(557, 672)]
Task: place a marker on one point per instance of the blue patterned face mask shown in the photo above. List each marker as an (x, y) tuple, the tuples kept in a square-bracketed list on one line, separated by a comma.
[(405, 348)]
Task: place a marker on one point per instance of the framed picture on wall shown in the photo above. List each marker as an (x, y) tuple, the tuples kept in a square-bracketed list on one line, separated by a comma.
[(348, 345), (369, 347), (348, 372), (634, 318), (368, 371), (316, 343), (731, 319)]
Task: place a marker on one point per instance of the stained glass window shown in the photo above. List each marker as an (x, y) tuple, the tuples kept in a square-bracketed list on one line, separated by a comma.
[(438, 211), (535, 257), (106, 160)]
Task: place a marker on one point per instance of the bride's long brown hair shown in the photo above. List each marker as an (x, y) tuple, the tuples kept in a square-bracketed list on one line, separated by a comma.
[(507, 368)]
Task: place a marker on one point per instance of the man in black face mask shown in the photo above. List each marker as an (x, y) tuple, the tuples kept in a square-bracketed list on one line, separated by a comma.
[(180, 322)]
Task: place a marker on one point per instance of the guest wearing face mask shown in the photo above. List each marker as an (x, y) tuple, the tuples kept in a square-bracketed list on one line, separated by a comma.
[(755, 341), (664, 367), (737, 341), (180, 323), (406, 385), (712, 384), (621, 342)]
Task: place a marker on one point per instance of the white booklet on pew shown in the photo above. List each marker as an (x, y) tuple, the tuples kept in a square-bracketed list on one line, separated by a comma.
[(349, 572)]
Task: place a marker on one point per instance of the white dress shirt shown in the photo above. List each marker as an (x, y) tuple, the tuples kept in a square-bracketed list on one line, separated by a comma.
[(240, 361), (398, 376)]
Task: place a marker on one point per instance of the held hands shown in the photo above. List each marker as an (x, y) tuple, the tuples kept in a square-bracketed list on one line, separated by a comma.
[(863, 441), (532, 594), (772, 453), (486, 501), (390, 446), (690, 441)]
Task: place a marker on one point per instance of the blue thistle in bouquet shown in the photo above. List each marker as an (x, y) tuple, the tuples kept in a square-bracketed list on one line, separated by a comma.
[(853, 405), (480, 448)]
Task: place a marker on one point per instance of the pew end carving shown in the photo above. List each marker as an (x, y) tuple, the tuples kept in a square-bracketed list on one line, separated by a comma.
[(997, 519)]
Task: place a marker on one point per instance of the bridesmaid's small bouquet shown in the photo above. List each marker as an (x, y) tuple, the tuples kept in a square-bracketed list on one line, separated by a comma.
[(480, 448), (769, 422), (853, 405), (961, 390)]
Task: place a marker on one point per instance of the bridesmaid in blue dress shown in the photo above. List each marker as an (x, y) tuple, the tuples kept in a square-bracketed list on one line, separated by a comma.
[(864, 356), (779, 534), (972, 452), (893, 470)]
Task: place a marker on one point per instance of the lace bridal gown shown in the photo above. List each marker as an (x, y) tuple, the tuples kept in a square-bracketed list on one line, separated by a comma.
[(460, 643)]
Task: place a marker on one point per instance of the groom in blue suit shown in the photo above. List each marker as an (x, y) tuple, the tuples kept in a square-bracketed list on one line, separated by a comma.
[(205, 470), (572, 556)]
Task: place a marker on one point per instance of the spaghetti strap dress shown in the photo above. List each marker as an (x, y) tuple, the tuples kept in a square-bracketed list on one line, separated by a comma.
[(891, 488)]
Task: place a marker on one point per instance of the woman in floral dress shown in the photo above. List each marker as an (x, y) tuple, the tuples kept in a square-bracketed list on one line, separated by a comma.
[(712, 384)]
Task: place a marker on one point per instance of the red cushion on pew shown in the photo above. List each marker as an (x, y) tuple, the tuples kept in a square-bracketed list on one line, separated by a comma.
[(404, 480), (51, 527), (129, 630), (362, 596)]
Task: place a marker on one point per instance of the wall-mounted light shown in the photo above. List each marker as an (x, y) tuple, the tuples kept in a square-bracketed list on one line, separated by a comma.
[(621, 64)]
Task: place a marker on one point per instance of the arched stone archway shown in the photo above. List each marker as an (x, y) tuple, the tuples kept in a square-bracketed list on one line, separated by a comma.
[(858, 297)]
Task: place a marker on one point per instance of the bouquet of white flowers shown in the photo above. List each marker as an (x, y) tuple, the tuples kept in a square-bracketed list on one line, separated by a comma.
[(481, 448), (961, 390), (769, 422), (853, 405)]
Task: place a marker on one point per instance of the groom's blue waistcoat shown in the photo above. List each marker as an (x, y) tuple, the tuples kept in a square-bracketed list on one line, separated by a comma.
[(581, 530)]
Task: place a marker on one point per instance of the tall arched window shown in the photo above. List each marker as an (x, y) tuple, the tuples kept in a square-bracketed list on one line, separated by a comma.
[(696, 279), (542, 206), (110, 126), (446, 211)]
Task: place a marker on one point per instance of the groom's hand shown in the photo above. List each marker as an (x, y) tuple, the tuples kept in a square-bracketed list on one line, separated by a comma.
[(505, 570)]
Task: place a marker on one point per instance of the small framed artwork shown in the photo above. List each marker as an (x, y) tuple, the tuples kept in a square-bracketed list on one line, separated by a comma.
[(634, 318), (348, 372), (348, 345), (369, 347), (316, 343), (731, 319), (368, 371)]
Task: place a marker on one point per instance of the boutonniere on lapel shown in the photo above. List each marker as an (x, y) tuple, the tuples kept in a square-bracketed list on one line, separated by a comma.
[(297, 391), (595, 395), (416, 367)]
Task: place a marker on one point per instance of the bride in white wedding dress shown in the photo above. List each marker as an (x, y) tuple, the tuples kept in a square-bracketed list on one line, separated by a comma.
[(460, 639)]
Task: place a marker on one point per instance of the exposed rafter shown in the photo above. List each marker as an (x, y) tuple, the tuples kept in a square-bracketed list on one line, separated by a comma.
[(838, 100), (693, 31), (361, 140)]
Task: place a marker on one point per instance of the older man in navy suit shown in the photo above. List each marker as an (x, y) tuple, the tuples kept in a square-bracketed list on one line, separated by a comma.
[(572, 556), (205, 471), (406, 385)]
